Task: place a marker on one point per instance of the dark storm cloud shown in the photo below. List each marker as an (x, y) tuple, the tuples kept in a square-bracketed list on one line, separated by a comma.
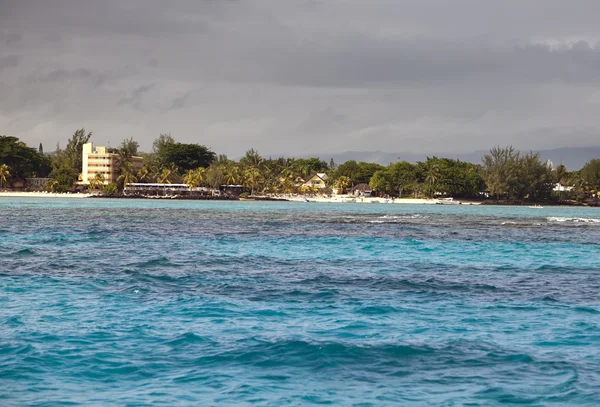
[(180, 102), (304, 76), (135, 97), (60, 76), (9, 61)]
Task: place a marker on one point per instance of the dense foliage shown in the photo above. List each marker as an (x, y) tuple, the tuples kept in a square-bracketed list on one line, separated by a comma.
[(21, 161), (511, 175), (441, 176)]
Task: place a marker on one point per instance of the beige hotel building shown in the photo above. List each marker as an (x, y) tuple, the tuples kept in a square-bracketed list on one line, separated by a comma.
[(99, 160)]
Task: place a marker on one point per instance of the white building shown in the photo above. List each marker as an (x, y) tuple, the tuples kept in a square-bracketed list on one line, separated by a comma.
[(99, 160)]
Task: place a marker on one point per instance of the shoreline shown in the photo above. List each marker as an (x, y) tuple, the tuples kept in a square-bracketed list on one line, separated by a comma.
[(6, 194), (301, 199)]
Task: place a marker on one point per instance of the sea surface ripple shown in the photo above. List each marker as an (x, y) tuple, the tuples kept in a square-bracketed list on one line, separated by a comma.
[(175, 303)]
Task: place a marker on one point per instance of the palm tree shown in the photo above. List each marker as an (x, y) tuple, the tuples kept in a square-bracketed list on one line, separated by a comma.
[(52, 185), (433, 174), (342, 182), (98, 181), (252, 159), (252, 176), (232, 174), (164, 176), (194, 178), (143, 174), (4, 174), (127, 174)]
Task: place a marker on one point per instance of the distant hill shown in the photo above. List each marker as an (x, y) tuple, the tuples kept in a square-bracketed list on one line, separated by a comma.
[(572, 157)]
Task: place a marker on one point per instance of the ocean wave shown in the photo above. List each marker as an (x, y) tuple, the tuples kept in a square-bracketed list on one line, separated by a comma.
[(23, 253), (561, 219), (412, 216), (522, 224)]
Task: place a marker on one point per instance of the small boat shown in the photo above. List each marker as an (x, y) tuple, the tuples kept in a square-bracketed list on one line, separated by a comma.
[(536, 207), (447, 201)]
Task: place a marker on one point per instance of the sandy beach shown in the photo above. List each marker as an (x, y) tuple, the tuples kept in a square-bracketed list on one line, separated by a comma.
[(41, 195), (375, 200), (317, 199)]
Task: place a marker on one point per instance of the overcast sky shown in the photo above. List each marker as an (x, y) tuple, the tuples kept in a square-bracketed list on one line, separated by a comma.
[(303, 76)]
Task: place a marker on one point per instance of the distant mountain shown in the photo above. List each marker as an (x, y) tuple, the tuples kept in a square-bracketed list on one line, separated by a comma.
[(572, 157)]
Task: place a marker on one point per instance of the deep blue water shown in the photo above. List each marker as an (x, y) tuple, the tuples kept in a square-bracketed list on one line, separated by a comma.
[(176, 303)]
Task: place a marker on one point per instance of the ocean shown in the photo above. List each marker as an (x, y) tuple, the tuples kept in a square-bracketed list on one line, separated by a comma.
[(191, 303)]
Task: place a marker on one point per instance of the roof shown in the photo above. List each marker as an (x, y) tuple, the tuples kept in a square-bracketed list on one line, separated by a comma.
[(320, 175), (362, 187)]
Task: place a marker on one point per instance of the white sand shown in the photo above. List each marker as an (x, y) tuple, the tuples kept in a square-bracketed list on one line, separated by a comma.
[(340, 199), (374, 200), (41, 195)]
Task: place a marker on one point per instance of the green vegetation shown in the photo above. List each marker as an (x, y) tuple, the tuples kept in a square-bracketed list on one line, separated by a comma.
[(4, 174), (21, 161), (443, 176), (590, 175), (504, 173)]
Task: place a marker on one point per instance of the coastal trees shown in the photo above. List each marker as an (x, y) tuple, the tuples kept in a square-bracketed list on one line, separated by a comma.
[(233, 174), (111, 189), (129, 147), (63, 178), (98, 181), (252, 177), (432, 174), (4, 174), (215, 175), (187, 156), (508, 173), (194, 178), (381, 181), (342, 182), (22, 160), (436, 175), (533, 178), (499, 170), (402, 174), (67, 163), (590, 173), (126, 174), (73, 150), (306, 167), (358, 173), (159, 149), (252, 165), (169, 174), (394, 179), (125, 167), (454, 177)]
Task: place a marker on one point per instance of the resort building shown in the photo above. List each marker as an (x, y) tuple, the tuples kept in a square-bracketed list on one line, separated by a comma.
[(37, 184), (558, 187), (318, 181), (99, 160), (361, 190)]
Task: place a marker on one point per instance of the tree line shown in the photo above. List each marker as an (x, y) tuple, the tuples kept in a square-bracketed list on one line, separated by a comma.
[(504, 173)]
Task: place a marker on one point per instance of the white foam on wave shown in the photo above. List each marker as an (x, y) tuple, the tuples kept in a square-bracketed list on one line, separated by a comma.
[(413, 216), (572, 220), (511, 223)]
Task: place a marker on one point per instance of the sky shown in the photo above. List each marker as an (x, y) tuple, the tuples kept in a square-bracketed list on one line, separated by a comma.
[(299, 77)]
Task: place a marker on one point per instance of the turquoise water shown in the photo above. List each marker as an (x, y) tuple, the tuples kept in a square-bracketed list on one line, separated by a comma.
[(176, 303)]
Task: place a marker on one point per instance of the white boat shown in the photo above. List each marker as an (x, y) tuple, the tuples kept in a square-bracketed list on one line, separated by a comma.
[(447, 201), (536, 207)]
